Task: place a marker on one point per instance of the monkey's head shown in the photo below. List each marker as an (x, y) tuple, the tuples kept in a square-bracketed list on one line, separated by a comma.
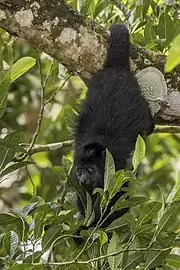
[(89, 164)]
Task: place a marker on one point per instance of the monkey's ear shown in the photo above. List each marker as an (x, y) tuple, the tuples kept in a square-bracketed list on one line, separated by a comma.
[(153, 87)]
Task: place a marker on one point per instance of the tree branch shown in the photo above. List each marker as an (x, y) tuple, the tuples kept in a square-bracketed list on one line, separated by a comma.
[(80, 44), (54, 146), (47, 147), (112, 254)]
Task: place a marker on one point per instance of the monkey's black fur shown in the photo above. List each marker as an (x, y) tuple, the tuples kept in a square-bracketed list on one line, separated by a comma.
[(112, 116)]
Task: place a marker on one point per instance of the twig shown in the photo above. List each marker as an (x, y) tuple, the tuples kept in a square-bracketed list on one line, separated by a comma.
[(59, 88), (32, 183), (103, 256), (47, 147), (31, 149), (64, 191), (39, 120), (41, 111), (99, 223), (93, 231)]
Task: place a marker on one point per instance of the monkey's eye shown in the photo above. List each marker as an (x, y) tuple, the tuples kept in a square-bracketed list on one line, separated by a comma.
[(79, 171), (90, 171)]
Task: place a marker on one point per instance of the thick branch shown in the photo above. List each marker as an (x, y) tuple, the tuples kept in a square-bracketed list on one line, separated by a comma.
[(81, 45), (57, 29)]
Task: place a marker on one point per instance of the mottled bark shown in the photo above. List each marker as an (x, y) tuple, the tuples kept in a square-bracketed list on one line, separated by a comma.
[(81, 45), (57, 29)]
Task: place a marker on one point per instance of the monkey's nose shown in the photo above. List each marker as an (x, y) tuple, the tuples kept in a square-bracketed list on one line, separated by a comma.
[(86, 182), (83, 179)]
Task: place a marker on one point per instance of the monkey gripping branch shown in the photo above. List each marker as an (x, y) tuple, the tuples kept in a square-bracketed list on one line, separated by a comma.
[(81, 45)]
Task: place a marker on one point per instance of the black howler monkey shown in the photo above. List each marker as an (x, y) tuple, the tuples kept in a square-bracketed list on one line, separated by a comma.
[(112, 116)]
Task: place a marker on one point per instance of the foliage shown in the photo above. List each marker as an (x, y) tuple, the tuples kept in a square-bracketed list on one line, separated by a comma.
[(173, 58), (31, 233), (39, 100)]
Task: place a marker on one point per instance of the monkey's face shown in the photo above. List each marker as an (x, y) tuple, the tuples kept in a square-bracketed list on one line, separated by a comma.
[(89, 176)]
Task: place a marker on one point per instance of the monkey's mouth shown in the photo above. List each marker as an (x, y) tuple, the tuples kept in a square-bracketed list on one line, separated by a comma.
[(88, 186)]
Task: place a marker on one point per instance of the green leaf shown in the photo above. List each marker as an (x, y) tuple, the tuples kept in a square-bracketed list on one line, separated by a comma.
[(28, 208), (87, 6), (155, 8), (11, 142), (14, 167), (114, 246), (155, 258), (100, 7), (11, 242), (148, 212), (12, 222), (103, 238), (171, 195), (4, 86), (22, 66), (173, 260), (162, 210), (133, 261), (166, 27), (96, 211), (89, 208), (138, 200), (6, 218), (103, 197), (149, 33), (177, 194), (139, 152), (77, 267), (39, 224), (26, 266), (173, 58), (66, 163), (49, 207), (120, 204), (33, 257), (50, 236), (176, 243), (69, 116), (75, 184), (118, 225), (60, 172), (129, 219), (8, 147), (117, 181), (56, 220), (146, 5), (38, 199), (123, 203), (100, 191), (109, 171), (167, 218), (144, 229)]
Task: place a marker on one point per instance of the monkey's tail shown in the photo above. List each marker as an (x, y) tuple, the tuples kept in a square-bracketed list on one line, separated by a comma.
[(118, 47)]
